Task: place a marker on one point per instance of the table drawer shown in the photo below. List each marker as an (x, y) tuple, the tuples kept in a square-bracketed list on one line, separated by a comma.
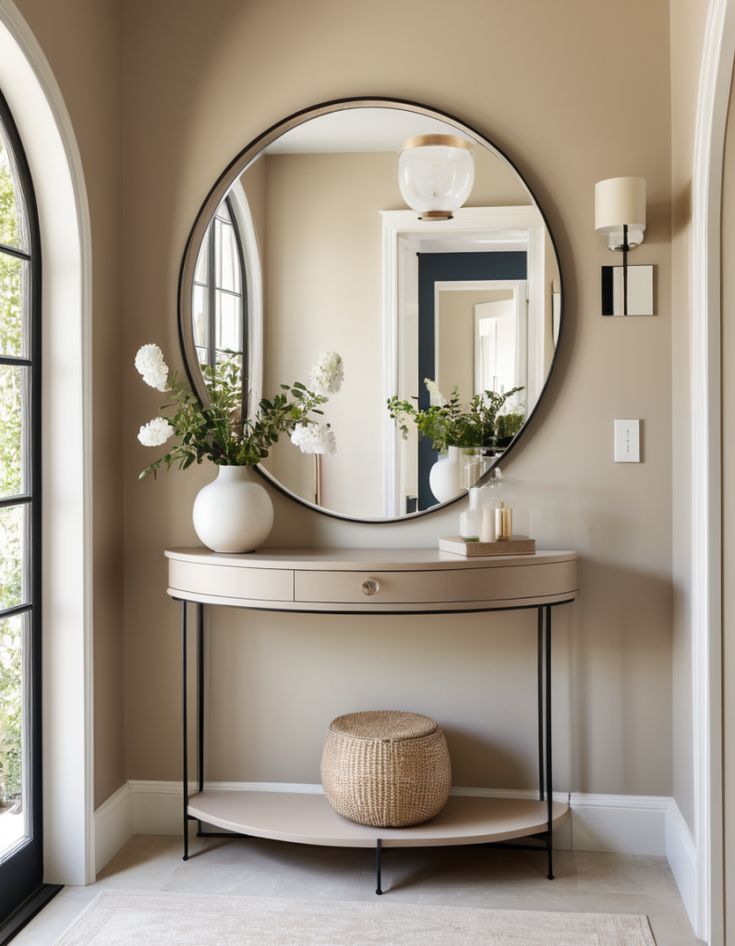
[(231, 581), (348, 587), (510, 582)]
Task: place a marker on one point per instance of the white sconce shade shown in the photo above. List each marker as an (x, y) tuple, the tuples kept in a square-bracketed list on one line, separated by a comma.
[(436, 174), (621, 202)]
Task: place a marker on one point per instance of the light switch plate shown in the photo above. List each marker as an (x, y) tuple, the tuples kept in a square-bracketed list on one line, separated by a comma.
[(628, 441)]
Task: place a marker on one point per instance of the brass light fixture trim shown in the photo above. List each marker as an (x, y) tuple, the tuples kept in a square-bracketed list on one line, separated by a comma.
[(445, 141)]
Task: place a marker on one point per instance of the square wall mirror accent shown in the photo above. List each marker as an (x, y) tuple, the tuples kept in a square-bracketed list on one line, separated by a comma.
[(631, 284)]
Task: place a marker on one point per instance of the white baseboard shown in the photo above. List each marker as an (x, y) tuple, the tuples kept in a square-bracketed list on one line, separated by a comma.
[(622, 824), (157, 806), (113, 826), (681, 853), (562, 833)]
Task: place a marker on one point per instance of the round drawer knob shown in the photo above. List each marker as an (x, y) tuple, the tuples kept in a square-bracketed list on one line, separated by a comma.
[(370, 586)]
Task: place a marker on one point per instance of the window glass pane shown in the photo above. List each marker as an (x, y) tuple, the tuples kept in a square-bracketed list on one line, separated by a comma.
[(13, 305), (199, 313), (13, 230), (13, 430), (226, 255), (200, 273), (13, 556), (229, 322), (13, 811)]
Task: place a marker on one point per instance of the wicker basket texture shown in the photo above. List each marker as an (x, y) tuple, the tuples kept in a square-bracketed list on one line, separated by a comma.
[(386, 768)]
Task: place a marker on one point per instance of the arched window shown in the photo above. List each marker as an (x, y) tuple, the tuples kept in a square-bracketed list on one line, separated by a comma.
[(220, 293), (20, 525)]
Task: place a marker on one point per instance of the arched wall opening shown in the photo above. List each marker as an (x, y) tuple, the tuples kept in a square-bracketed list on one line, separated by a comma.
[(45, 128)]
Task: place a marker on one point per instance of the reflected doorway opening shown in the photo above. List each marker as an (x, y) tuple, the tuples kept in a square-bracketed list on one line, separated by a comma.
[(503, 252)]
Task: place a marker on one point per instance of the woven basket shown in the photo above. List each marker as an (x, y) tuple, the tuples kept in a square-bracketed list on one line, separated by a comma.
[(385, 768)]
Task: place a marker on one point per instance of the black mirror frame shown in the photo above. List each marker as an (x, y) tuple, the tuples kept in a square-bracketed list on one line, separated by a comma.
[(217, 193)]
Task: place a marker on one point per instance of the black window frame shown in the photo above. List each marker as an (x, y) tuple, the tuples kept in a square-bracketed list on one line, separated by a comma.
[(22, 891)]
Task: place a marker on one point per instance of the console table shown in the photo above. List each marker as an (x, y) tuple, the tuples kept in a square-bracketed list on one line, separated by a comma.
[(371, 581)]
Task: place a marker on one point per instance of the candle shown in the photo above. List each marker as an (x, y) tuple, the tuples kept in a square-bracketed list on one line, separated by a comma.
[(503, 523), (487, 531), (470, 521)]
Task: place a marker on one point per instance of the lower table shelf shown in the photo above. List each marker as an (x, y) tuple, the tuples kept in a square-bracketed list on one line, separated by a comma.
[(304, 818)]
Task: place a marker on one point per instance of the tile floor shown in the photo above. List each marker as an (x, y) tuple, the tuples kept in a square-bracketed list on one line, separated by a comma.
[(448, 876)]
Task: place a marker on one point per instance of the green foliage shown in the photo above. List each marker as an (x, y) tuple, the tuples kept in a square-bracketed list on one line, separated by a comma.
[(218, 432), (11, 523), (449, 424), (11, 668), (508, 425)]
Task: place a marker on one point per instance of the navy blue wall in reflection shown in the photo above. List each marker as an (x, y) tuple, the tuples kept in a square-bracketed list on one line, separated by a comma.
[(449, 267)]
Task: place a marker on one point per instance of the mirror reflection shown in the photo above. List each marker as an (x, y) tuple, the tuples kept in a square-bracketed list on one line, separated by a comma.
[(313, 248)]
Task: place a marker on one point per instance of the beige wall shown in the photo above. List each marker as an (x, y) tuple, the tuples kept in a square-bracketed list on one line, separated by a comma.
[(323, 292), (200, 82), (81, 39), (728, 509), (686, 31)]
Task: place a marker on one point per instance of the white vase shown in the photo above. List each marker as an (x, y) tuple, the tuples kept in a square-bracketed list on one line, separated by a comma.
[(444, 476), (233, 513)]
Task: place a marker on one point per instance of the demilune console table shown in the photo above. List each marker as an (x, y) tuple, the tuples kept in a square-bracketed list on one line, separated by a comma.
[(371, 581)]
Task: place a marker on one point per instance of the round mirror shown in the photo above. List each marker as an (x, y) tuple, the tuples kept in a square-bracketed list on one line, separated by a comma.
[(446, 313)]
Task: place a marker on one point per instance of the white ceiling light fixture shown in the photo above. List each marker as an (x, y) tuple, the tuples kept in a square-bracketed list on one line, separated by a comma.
[(436, 174)]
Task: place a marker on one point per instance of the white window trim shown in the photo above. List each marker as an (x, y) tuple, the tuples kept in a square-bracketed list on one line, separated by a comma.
[(254, 280), (48, 140)]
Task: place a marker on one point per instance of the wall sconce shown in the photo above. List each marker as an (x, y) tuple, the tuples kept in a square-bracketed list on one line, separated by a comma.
[(620, 213), (436, 174)]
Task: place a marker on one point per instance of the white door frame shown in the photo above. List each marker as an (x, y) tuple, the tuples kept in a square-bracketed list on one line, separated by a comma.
[(520, 317), (519, 227), (706, 506), (519, 290)]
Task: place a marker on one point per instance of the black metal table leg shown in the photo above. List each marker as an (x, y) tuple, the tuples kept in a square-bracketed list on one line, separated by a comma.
[(549, 782), (378, 865), (200, 703), (540, 701), (185, 731)]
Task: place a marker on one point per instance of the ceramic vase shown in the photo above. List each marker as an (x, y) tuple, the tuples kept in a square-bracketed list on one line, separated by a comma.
[(444, 476), (233, 513)]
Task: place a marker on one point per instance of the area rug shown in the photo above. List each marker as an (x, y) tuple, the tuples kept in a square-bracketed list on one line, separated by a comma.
[(132, 918)]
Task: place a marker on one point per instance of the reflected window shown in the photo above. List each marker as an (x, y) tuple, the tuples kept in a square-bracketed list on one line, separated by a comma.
[(220, 295)]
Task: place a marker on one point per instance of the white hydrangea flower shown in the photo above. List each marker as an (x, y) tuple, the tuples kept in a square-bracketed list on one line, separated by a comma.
[(314, 438), (327, 374), (151, 365), (156, 432), (436, 398)]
